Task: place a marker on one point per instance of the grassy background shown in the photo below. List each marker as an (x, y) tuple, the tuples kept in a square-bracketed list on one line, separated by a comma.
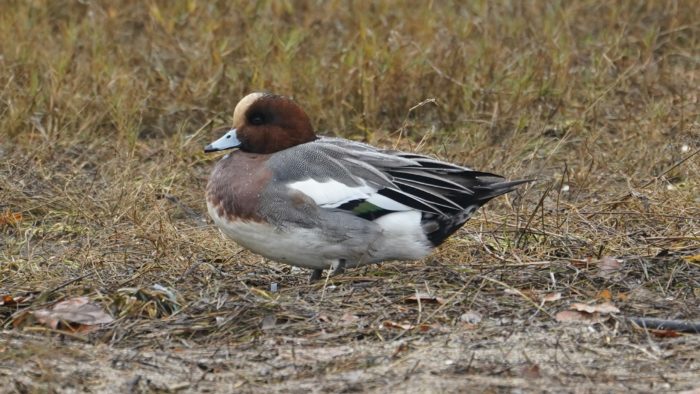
[(103, 104)]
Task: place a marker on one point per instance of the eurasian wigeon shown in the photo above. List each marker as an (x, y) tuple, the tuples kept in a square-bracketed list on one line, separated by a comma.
[(320, 202)]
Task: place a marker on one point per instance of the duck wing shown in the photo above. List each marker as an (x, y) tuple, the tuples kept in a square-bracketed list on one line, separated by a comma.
[(421, 182), (370, 182)]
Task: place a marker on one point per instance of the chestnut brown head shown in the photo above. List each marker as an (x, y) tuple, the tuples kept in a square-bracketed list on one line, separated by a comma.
[(265, 123)]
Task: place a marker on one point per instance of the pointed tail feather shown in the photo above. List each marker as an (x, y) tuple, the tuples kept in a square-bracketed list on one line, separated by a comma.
[(491, 190), (442, 226)]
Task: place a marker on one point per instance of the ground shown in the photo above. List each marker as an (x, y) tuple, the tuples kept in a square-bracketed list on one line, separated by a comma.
[(105, 108)]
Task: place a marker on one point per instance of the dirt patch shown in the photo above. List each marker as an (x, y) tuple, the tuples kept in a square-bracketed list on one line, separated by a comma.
[(372, 334), (494, 358)]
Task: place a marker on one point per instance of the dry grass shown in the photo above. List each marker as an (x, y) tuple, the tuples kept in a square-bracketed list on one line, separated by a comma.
[(101, 109)]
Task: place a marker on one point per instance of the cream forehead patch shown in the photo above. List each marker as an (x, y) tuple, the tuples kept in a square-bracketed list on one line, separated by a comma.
[(242, 107)]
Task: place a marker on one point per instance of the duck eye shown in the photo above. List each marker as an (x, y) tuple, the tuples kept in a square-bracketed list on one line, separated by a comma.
[(257, 119)]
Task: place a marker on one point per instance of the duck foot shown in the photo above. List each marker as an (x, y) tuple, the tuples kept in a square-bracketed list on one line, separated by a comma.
[(338, 268), (315, 275)]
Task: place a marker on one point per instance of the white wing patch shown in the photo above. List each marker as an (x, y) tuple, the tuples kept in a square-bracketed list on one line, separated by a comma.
[(332, 194)]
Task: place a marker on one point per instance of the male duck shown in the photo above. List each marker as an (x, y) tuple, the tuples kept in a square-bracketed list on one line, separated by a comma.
[(321, 202)]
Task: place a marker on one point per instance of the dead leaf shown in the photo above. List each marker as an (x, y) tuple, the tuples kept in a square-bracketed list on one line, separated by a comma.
[(392, 324), (75, 314), (10, 300), (7, 300), (608, 266), (603, 308), (579, 317), (425, 298), (349, 318), (470, 317), (604, 294), (8, 218), (20, 318), (531, 371), (581, 263), (551, 297), (665, 333)]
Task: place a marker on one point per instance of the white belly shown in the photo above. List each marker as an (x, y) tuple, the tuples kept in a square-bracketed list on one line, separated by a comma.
[(310, 248)]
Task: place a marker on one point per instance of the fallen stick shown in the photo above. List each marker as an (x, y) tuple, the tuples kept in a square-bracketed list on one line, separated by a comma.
[(664, 324)]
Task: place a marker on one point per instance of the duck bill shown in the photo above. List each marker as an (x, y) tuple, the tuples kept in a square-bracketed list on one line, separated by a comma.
[(227, 141)]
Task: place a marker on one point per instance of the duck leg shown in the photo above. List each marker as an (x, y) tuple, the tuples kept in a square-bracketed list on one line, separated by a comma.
[(315, 275), (338, 268)]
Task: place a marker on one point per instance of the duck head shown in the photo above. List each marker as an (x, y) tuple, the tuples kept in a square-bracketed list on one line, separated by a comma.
[(265, 123)]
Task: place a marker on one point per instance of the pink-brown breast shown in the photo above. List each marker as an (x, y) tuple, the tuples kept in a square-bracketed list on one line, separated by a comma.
[(236, 185)]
